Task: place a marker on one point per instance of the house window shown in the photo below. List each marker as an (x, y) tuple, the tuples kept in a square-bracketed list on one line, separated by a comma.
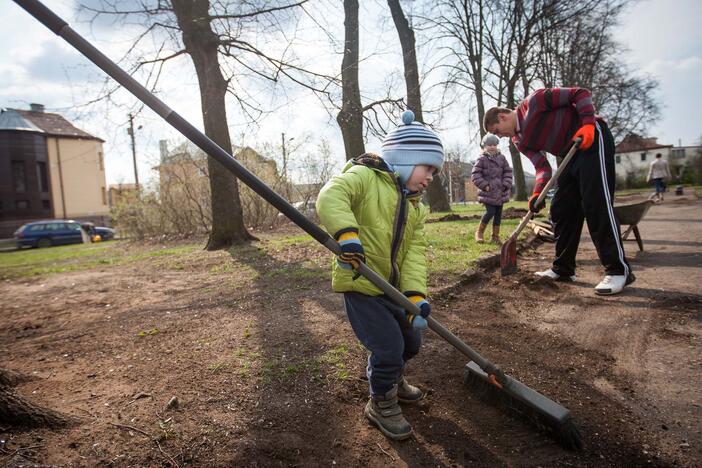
[(643, 156), (43, 177), (19, 177), (22, 205), (618, 159), (678, 153), (46, 204), (104, 196), (102, 162)]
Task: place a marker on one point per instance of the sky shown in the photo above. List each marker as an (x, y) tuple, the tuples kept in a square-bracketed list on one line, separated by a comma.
[(36, 66)]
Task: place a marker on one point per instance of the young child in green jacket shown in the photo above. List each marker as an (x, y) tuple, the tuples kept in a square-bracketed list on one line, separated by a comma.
[(373, 209)]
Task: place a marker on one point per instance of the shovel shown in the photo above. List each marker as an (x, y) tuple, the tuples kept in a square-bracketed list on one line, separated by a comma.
[(508, 253)]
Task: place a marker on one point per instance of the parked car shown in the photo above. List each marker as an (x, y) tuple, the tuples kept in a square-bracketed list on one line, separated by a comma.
[(48, 233), (105, 233), (98, 233)]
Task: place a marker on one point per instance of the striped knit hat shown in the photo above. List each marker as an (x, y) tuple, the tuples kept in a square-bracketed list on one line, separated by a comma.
[(411, 144)]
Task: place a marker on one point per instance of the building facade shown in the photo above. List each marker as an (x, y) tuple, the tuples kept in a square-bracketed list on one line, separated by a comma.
[(634, 155), (49, 169)]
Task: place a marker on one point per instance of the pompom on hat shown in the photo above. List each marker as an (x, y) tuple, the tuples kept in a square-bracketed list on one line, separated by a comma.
[(410, 144)]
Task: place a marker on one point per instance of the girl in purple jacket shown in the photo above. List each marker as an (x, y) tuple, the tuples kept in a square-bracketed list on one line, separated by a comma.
[(493, 177)]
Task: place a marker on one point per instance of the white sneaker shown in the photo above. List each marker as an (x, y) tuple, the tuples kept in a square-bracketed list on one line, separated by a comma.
[(550, 274), (613, 284)]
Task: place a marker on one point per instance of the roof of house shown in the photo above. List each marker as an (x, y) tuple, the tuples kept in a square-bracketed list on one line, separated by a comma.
[(634, 142), (41, 122), (10, 119)]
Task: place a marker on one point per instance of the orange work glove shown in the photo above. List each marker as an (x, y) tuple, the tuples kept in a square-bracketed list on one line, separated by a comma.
[(587, 133)]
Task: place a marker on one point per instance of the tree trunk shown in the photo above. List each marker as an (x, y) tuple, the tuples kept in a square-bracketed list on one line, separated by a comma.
[(350, 117), (517, 170), (517, 173), (201, 43), (436, 194), (16, 411)]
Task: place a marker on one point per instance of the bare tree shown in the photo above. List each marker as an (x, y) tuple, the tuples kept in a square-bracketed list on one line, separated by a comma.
[(461, 35), (17, 411), (584, 54), (220, 38), (436, 194), (350, 117)]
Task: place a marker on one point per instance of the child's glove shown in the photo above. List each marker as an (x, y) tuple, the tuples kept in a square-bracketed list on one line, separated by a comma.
[(533, 207), (417, 321), (352, 253), (419, 301), (587, 133)]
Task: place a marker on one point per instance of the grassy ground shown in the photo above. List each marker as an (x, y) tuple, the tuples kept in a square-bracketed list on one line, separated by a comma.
[(32, 262), (451, 251)]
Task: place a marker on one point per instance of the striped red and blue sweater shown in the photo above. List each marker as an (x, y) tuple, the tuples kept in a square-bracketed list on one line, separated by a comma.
[(547, 121)]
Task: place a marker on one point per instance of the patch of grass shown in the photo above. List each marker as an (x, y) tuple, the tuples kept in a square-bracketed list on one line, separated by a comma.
[(34, 262), (152, 332), (452, 248), (287, 241), (217, 367), (336, 358), (469, 209)]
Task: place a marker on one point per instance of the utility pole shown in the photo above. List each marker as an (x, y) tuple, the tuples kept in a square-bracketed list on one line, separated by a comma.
[(285, 160), (450, 182), (130, 131)]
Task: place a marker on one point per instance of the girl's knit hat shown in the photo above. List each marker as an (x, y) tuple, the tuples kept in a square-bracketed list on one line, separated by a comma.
[(489, 140), (410, 144)]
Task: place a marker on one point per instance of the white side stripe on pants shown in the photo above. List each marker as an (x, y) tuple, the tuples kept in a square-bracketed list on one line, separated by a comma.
[(610, 210)]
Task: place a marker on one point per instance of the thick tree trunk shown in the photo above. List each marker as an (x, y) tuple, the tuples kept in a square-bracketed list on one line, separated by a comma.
[(517, 170), (16, 411), (201, 43), (350, 117), (517, 173), (436, 194)]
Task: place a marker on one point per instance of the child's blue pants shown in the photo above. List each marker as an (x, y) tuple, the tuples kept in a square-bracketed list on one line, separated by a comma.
[(384, 330)]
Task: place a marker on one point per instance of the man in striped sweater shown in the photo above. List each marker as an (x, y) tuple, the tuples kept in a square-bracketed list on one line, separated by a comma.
[(548, 121)]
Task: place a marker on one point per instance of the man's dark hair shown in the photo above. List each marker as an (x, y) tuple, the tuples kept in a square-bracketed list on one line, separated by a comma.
[(490, 117)]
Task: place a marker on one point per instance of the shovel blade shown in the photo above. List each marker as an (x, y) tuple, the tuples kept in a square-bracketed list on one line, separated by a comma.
[(508, 257)]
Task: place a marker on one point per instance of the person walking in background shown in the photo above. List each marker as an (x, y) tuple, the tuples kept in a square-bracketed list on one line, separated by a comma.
[(659, 173), (492, 175)]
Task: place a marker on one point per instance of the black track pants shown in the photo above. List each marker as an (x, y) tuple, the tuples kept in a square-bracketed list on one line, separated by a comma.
[(585, 192)]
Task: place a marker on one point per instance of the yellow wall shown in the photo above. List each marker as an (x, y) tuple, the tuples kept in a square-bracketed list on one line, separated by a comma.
[(83, 177)]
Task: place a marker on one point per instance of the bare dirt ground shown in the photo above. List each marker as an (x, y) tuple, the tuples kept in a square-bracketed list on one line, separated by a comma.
[(268, 373)]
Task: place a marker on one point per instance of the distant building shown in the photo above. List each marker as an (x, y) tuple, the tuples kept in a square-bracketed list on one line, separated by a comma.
[(634, 155), (118, 192), (48, 169), (184, 181)]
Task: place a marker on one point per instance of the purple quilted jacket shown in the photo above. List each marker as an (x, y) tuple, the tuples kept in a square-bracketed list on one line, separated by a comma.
[(494, 172)]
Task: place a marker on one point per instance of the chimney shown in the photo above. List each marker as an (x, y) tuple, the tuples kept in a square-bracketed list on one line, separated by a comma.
[(36, 107), (163, 148)]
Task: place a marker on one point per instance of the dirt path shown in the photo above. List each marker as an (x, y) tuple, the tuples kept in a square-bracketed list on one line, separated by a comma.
[(268, 373)]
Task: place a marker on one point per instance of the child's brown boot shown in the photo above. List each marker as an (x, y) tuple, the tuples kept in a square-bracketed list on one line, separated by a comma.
[(479, 233), (385, 412), (407, 393), (496, 235)]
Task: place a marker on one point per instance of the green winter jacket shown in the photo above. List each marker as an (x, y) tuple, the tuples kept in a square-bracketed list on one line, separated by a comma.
[(367, 198)]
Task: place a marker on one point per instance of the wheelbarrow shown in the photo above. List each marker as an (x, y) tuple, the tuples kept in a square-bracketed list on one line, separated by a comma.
[(631, 214)]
